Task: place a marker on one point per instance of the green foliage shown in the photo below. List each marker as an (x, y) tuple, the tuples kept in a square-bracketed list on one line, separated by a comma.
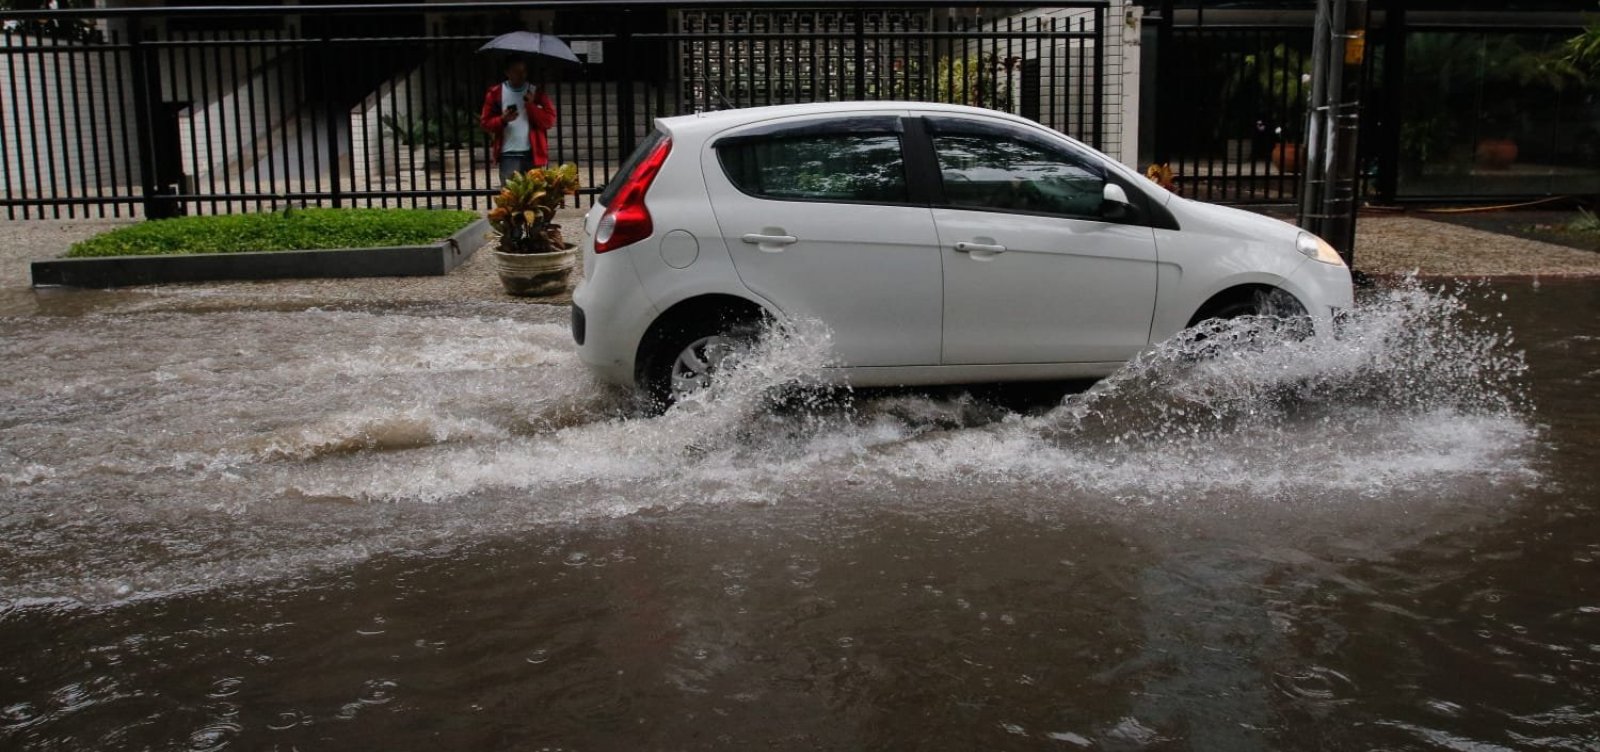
[(976, 80), (1586, 223), (1582, 52), (524, 209), (1272, 81), (452, 130), (290, 230), (1427, 139)]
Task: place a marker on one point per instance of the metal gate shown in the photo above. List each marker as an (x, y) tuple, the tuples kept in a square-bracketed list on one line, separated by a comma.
[(162, 111)]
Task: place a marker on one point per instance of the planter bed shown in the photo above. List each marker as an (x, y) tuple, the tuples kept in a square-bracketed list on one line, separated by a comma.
[(427, 259)]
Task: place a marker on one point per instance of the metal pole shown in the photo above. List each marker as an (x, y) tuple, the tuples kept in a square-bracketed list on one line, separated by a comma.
[(1339, 203), (1311, 180)]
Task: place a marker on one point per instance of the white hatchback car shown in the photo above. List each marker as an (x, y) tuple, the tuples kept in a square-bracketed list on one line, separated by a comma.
[(940, 244)]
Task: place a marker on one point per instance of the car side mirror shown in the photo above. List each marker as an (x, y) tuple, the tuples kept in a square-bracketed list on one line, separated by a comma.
[(1114, 204)]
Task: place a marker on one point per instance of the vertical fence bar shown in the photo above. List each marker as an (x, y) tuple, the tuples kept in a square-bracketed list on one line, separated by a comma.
[(1055, 77), (142, 120), (214, 120), (1099, 74), (236, 163), (33, 130), (187, 59), (861, 54), (58, 159), (625, 72), (129, 134), (8, 171), (77, 129), (330, 110), (107, 169), (288, 114), (251, 156), (169, 115)]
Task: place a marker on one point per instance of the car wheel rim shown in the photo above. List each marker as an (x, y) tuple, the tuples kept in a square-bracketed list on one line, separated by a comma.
[(697, 364)]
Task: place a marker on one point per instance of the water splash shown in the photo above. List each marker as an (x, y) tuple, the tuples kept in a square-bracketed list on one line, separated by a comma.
[(150, 452), (1413, 386)]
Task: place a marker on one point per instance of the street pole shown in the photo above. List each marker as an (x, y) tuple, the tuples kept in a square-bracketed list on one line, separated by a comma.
[(1344, 180), (1316, 112), (1329, 192)]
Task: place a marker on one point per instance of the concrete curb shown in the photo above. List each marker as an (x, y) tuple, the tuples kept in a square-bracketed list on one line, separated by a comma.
[(435, 259)]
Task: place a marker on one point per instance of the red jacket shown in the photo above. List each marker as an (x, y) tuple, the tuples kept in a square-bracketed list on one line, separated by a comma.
[(541, 118)]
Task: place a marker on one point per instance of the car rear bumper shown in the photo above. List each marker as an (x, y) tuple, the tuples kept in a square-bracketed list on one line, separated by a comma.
[(609, 314)]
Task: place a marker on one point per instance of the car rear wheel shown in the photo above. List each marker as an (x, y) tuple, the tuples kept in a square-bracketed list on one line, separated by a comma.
[(688, 356)]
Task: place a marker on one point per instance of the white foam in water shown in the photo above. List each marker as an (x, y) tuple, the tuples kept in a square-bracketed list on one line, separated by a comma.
[(247, 444), (1410, 390)]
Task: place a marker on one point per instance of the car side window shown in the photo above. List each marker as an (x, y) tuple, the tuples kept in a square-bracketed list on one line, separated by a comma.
[(993, 170), (844, 167)]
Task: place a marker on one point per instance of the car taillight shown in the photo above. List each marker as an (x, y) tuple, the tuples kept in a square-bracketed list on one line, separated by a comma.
[(626, 220)]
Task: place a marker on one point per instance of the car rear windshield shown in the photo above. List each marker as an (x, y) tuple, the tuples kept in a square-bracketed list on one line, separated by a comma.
[(621, 175)]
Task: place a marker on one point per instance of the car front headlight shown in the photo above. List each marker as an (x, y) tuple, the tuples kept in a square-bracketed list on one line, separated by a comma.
[(1316, 248)]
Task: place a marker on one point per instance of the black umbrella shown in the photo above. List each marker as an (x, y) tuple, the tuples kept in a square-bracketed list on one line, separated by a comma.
[(532, 43)]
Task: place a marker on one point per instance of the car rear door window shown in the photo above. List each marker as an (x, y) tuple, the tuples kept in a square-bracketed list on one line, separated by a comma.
[(992, 168), (837, 167)]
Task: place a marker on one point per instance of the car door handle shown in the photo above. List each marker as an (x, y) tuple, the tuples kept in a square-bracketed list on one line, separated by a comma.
[(769, 243), (988, 249)]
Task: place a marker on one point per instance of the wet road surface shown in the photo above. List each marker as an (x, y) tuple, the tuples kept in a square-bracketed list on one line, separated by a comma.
[(425, 527)]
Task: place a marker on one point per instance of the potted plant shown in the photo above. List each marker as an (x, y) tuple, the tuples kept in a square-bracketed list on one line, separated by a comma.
[(1511, 69), (1277, 80), (530, 255), (443, 139)]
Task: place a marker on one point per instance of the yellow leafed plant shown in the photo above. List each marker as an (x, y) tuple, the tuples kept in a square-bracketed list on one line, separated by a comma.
[(524, 213)]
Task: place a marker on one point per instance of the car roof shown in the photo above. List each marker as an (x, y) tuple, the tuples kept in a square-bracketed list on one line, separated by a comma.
[(699, 126), (704, 123)]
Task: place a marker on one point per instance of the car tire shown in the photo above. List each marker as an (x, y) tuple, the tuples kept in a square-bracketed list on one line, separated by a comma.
[(692, 350), (1289, 315)]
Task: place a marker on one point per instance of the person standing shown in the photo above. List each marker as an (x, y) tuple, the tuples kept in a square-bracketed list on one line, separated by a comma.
[(519, 115)]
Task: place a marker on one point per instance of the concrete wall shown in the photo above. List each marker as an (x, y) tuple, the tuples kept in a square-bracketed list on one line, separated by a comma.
[(1060, 72)]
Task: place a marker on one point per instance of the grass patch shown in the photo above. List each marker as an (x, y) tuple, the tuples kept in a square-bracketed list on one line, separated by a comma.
[(293, 230), (1580, 231)]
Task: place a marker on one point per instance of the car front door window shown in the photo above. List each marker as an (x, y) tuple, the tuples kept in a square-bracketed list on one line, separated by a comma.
[(997, 172)]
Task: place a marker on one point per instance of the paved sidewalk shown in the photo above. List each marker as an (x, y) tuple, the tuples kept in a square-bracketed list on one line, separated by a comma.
[(1405, 244), (25, 242)]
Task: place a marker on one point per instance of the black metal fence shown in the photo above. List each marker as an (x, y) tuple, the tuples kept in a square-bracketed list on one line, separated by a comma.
[(1232, 111), (156, 112)]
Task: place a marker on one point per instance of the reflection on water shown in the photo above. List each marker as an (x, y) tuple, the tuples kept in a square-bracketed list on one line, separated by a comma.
[(307, 527)]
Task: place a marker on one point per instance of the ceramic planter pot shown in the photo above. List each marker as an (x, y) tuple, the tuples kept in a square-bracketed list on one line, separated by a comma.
[(1286, 157), (1496, 153), (536, 275), (449, 161)]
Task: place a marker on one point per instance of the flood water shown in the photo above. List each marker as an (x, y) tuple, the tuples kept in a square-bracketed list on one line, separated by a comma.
[(279, 527)]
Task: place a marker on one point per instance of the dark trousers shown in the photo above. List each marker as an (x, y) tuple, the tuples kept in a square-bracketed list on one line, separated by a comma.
[(514, 163)]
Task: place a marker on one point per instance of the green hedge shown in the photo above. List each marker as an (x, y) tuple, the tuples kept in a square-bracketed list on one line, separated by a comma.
[(295, 230)]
